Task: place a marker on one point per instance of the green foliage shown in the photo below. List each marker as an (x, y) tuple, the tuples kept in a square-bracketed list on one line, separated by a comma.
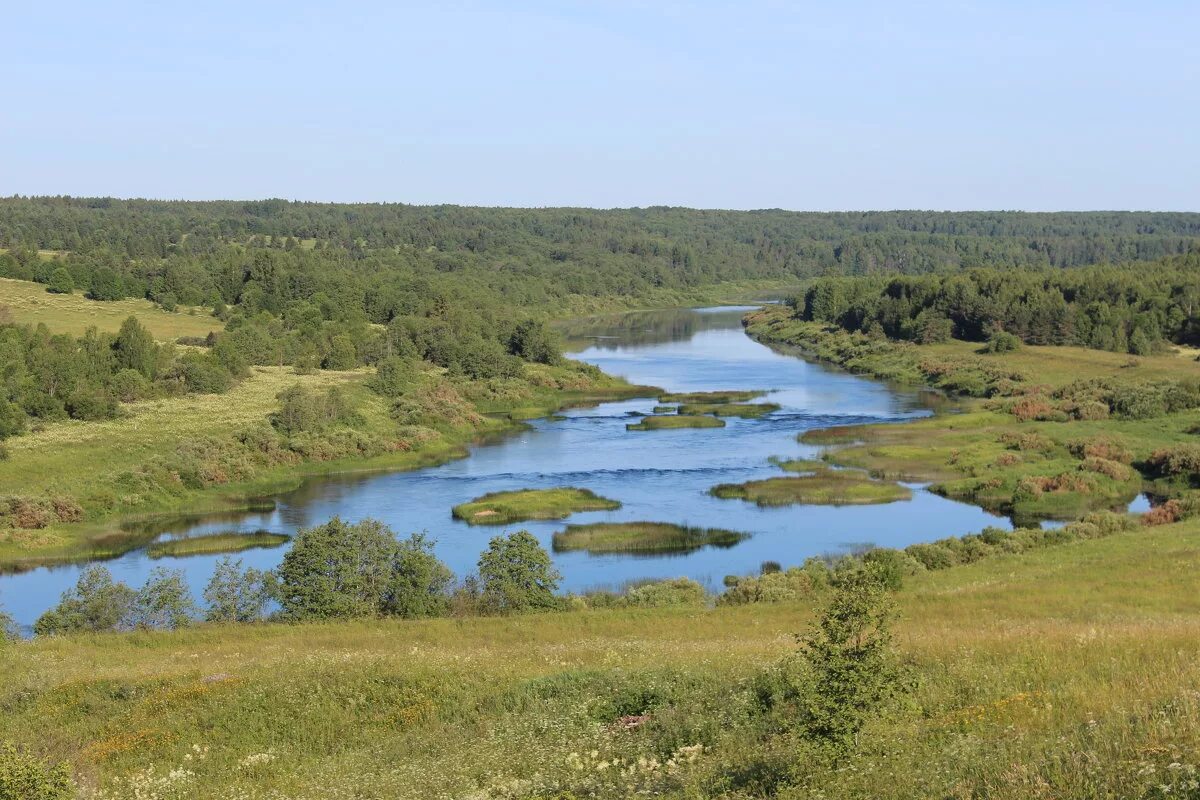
[(164, 602), (1100, 307), (393, 376), (97, 603), (343, 570), (1002, 341), (25, 777), (302, 410), (201, 373), (533, 341), (236, 595), (61, 282), (516, 575), (848, 653), (661, 594), (135, 349)]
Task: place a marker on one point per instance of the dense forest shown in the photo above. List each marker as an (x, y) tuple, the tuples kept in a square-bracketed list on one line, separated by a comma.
[(1135, 309), (374, 252)]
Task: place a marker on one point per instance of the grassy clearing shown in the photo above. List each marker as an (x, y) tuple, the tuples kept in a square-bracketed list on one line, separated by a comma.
[(671, 421), (642, 537), (501, 508), (216, 543), (825, 488), (728, 396), (1062, 673), (743, 410), (30, 304)]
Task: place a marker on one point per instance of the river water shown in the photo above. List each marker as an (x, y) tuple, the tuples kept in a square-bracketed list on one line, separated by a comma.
[(657, 475)]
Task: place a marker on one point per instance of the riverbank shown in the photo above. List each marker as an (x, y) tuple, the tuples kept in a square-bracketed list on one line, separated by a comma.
[(1063, 668), (1030, 437), (95, 490)]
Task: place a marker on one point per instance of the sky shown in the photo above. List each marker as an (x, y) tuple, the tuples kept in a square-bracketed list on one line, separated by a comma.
[(1045, 105)]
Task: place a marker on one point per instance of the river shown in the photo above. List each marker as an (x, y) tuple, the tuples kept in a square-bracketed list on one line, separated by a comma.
[(657, 475)]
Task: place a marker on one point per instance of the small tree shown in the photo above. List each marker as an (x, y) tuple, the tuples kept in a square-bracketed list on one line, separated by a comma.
[(135, 349), (234, 595), (393, 376), (61, 282), (337, 570), (533, 341), (96, 603), (8, 628), (26, 777), (420, 583), (342, 354), (849, 654), (516, 574), (165, 602)]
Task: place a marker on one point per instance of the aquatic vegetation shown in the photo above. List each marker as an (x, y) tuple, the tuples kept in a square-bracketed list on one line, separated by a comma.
[(667, 421), (800, 464), (228, 542), (743, 410), (642, 537), (501, 508), (830, 487)]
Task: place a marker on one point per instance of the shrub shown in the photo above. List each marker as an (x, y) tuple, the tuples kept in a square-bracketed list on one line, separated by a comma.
[(234, 595), (1181, 459), (678, 592), (1113, 469), (777, 587), (97, 603), (130, 385), (1101, 447), (304, 411), (393, 376), (165, 602), (91, 403), (61, 282), (26, 777), (848, 651), (1002, 342), (515, 574), (343, 570), (892, 566), (202, 373)]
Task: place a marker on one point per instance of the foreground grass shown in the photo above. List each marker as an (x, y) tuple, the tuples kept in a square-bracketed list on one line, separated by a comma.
[(673, 421), (826, 487), (642, 537), (1065, 673), (501, 508), (216, 543), (30, 304)]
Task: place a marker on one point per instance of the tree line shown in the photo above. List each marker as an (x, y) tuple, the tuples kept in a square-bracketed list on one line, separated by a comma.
[(1136, 309)]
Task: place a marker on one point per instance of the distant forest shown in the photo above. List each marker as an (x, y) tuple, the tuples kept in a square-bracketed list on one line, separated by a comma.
[(375, 255)]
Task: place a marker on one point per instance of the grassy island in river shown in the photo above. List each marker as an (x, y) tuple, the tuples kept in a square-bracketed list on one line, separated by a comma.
[(642, 537), (672, 421), (501, 508)]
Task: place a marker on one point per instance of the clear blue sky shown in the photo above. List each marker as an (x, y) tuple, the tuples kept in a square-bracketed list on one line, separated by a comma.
[(814, 106)]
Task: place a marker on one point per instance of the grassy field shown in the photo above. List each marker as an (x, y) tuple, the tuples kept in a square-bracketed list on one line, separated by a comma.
[(672, 421), (29, 304), (1064, 673), (825, 487), (642, 537), (501, 508)]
